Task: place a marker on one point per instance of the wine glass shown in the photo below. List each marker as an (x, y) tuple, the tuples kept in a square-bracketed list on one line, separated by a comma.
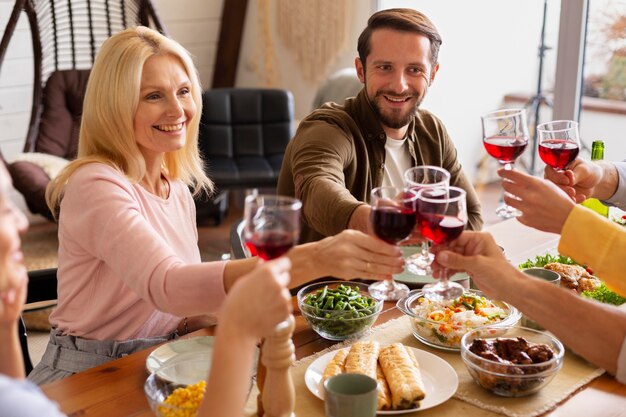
[(505, 136), (392, 219), (559, 143), (272, 224), (442, 217), (417, 178)]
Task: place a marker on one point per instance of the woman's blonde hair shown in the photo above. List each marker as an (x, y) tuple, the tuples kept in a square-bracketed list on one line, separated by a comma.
[(107, 132)]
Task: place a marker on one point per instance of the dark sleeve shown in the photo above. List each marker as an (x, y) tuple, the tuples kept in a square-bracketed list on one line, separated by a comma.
[(319, 153)]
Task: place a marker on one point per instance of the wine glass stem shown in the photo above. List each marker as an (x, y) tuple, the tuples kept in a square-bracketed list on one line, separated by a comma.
[(425, 249), (508, 166)]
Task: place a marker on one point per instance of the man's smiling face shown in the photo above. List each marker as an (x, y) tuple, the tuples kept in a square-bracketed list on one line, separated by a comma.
[(397, 75)]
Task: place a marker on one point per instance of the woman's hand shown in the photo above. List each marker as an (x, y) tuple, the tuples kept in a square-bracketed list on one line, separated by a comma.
[(544, 205), (353, 254), (259, 300)]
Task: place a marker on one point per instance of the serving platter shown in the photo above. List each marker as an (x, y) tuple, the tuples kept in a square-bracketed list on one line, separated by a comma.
[(440, 379)]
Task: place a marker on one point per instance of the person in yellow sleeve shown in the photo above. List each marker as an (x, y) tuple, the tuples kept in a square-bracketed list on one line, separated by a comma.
[(586, 237)]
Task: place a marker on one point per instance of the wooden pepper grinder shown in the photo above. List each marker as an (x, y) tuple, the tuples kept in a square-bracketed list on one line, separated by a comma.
[(277, 356)]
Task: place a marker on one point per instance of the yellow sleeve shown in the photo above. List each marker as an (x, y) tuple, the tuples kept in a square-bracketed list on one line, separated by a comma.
[(597, 242)]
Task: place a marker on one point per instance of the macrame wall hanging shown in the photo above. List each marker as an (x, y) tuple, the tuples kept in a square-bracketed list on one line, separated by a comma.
[(313, 31)]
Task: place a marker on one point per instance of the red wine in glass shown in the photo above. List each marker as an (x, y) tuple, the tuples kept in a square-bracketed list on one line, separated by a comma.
[(505, 149), (439, 228), (393, 224), (270, 245), (558, 153)]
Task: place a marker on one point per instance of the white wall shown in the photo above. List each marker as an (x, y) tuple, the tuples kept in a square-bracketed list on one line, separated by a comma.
[(288, 74)]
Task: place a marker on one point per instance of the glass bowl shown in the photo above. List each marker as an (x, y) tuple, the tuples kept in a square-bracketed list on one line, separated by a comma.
[(349, 320), (510, 379), (182, 373), (443, 324)]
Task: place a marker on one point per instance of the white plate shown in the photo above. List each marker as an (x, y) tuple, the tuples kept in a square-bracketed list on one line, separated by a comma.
[(440, 379), (411, 278), (182, 352)]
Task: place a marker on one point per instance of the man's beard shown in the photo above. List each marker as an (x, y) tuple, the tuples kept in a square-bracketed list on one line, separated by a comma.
[(395, 119)]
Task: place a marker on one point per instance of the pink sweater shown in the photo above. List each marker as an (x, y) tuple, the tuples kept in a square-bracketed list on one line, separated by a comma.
[(129, 264)]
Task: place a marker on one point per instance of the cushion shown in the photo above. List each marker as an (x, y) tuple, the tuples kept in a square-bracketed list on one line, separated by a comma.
[(50, 164), (62, 109), (31, 180)]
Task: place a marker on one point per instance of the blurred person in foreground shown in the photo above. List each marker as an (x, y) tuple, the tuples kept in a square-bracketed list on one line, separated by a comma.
[(18, 398), (130, 274), (263, 290), (342, 151)]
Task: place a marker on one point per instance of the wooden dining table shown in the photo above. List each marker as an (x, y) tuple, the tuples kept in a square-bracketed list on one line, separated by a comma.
[(116, 388)]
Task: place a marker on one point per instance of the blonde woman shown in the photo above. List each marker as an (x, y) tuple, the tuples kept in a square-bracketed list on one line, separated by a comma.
[(130, 274), (262, 291)]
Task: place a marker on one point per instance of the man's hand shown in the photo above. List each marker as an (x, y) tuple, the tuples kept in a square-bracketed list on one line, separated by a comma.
[(580, 179), (360, 219)]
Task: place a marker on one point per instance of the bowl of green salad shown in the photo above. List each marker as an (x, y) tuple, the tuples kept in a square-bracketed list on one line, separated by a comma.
[(339, 310)]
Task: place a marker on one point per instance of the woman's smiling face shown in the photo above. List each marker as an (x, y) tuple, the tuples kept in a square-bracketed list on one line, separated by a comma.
[(165, 106), (12, 224)]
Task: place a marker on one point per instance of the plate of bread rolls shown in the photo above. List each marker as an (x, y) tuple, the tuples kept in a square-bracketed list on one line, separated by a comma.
[(409, 379)]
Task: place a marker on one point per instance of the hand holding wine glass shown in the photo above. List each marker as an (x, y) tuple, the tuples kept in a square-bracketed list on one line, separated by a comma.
[(417, 178), (442, 215), (505, 136), (559, 143), (392, 219), (272, 224)]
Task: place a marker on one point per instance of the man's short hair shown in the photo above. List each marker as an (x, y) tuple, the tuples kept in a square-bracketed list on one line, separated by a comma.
[(406, 20)]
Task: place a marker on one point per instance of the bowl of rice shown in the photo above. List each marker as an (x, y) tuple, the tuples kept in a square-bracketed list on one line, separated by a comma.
[(442, 324)]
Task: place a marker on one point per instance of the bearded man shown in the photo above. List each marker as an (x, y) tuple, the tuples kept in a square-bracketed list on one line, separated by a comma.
[(341, 152)]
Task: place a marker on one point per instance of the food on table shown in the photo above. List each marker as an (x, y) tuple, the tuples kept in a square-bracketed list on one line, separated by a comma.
[(586, 284), (384, 395), (186, 400), (336, 366), (503, 354), (605, 295), (362, 358), (341, 312), (512, 350), (445, 322), (396, 369), (403, 375), (574, 276)]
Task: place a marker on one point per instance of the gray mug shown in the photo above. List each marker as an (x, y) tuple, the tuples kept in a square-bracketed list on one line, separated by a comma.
[(545, 275), (350, 395)]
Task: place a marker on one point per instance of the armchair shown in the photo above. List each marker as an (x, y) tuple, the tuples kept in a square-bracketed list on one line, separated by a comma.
[(243, 136), (65, 37)]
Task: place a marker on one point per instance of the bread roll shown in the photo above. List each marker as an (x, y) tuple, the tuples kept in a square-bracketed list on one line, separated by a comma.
[(336, 366), (384, 396), (403, 375)]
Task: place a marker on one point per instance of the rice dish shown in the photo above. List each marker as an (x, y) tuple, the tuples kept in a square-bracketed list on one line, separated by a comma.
[(445, 323)]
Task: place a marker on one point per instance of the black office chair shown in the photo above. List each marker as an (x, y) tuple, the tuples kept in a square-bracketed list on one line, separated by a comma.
[(42, 286), (243, 136)]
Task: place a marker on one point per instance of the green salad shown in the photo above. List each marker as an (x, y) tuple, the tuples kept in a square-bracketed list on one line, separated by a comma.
[(601, 293)]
